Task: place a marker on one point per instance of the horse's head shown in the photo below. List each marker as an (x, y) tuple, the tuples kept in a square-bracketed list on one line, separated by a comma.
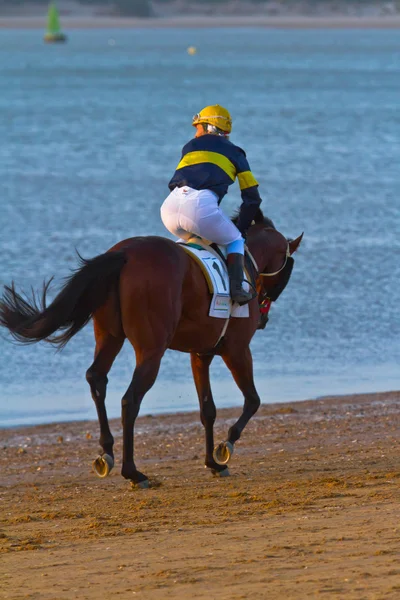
[(272, 253)]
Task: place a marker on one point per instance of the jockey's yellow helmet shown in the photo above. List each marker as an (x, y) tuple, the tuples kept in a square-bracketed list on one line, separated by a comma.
[(215, 115)]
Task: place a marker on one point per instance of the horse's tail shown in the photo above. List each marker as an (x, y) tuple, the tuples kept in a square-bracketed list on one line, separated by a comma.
[(30, 320)]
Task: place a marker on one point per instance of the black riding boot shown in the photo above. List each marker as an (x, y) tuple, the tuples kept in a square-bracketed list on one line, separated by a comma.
[(235, 272)]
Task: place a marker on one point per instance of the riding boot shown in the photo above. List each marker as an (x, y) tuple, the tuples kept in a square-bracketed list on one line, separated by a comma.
[(235, 271)]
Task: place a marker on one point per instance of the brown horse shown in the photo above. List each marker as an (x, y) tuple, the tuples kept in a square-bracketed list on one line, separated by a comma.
[(148, 290)]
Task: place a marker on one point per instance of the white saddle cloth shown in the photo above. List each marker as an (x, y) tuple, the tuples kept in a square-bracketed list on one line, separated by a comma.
[(217, 277)]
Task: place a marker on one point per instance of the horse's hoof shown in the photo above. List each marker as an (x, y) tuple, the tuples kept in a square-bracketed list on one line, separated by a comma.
[(223, 473), (141, 485), (222, 453), (103, 465)]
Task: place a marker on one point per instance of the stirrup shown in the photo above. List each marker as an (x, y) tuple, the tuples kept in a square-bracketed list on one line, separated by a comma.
[(242, 297), (246, 296)]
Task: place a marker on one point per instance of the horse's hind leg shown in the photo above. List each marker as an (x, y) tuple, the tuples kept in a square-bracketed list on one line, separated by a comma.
[(240, 364), (201, 375), (107, 348), (151, 306), (144, 376)]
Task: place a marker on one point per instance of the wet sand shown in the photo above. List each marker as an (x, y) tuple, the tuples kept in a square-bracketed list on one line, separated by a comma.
[(311, 508), (279, 22)]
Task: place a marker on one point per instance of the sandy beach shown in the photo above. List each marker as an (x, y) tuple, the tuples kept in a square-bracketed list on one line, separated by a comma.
[(310, 510), (279, 22)]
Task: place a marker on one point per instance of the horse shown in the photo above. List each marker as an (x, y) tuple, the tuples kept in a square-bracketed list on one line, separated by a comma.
[(150, 291)]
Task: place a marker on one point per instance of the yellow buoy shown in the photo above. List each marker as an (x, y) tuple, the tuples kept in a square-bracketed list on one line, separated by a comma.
[(192, 50)]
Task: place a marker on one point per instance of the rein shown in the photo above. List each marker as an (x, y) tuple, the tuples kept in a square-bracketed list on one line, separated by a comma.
[(269, 274)]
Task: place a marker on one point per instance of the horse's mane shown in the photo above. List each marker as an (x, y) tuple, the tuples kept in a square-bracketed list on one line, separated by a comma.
[(259, 219)]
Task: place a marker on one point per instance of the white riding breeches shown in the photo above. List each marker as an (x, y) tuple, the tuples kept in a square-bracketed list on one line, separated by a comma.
[(187, 211)]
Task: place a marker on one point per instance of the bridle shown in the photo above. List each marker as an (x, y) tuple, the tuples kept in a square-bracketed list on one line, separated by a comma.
[(264, 301), (260, 274)]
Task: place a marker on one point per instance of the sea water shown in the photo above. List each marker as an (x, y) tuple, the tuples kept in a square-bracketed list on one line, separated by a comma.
[(90, 133)]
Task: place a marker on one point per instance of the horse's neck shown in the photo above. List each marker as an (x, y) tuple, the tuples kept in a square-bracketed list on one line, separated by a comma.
[(266, 247), (259, 254)]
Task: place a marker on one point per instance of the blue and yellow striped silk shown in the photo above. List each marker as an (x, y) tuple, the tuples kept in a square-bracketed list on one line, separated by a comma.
[(203, 156), (246, 180), (212, 162)]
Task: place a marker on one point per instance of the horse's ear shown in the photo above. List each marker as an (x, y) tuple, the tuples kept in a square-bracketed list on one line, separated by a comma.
[(294, 244)]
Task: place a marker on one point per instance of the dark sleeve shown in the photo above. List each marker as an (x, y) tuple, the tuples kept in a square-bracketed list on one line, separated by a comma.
[(251, 199)]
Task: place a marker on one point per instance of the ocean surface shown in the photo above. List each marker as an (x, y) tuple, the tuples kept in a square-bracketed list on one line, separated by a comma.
[(91, 132)]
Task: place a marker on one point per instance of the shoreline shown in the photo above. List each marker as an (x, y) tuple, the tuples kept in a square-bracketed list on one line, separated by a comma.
[(311, 507), (185, 415), (201, 22)]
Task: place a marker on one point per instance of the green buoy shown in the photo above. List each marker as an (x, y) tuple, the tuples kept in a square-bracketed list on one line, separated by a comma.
[(54, 33)]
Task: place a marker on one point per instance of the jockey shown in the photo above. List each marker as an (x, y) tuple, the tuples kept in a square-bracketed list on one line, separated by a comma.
[(209, 164)]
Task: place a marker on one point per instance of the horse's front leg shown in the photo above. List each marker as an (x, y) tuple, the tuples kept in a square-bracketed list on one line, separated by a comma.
[(240, 364), (201, 375)]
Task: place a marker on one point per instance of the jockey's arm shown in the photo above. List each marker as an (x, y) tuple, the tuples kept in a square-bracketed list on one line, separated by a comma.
[(248, 209), (251, 199)]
